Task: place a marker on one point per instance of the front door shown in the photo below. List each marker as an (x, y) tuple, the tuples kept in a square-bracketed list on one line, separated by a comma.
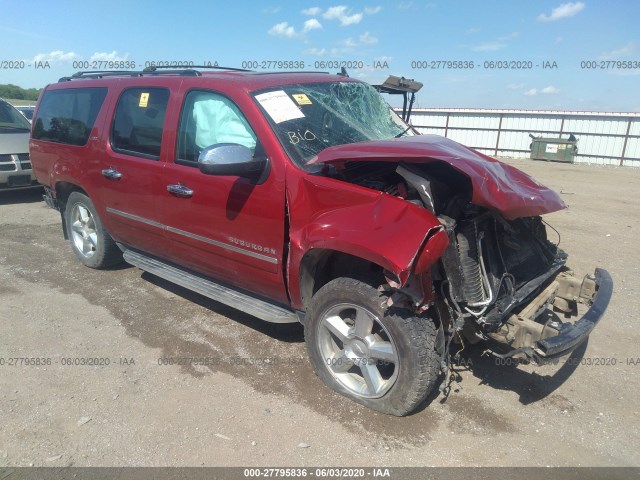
[(229, 228)]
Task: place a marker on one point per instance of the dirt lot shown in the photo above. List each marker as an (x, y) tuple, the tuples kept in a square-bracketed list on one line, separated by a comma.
[(259, 403)]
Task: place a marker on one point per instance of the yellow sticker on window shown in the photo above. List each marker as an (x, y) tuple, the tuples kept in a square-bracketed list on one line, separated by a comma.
[(144, 100), (301, 98)]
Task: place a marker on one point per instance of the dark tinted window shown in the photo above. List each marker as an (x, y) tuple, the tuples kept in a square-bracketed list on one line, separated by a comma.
[(138, 123), (67, 116)]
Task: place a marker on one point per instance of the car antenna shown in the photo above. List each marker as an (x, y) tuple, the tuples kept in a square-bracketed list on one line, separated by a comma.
[(343, 72)]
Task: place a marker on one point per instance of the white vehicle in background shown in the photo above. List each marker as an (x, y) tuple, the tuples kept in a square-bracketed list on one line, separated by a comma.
[(26, 110), (15, 164)]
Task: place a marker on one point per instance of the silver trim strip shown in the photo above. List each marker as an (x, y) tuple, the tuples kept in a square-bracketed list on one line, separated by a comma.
[(210, 241)]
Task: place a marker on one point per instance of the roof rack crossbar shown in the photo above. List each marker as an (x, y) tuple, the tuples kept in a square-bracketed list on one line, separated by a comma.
[(192, 71), (100, 74), (153, 68)]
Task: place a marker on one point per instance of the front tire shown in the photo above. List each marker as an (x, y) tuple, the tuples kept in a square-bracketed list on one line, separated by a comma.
[(89, 240), (385, 359)]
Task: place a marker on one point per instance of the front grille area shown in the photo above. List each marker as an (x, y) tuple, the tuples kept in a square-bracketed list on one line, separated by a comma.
[(25, 161), (6, 163)]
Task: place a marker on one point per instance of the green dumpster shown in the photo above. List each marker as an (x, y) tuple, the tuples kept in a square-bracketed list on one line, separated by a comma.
[(554, 149)]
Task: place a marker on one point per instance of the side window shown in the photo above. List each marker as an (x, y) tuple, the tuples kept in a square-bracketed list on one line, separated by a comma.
[(208, 118), (139, 120), (67, 116)]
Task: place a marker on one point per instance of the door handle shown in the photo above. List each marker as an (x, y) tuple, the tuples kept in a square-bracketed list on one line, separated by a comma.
[(180, 191), (111, 174)]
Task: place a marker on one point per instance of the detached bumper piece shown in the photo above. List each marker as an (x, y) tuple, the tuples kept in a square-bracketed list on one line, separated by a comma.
[(572, 335)]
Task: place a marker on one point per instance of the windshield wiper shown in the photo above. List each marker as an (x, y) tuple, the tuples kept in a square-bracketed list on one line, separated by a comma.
[(403, 132)]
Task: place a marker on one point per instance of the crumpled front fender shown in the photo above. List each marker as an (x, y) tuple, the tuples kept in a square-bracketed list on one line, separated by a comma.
[(330, 214)]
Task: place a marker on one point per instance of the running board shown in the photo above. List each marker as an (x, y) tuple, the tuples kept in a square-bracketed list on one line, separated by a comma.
[(229, 296)]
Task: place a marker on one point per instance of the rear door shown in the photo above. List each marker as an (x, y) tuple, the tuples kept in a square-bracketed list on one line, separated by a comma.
[(225, 227), (130, 171)]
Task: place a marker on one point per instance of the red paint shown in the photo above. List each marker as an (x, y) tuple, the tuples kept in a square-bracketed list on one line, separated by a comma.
[(496, 185), (330, 214), (290, 214)]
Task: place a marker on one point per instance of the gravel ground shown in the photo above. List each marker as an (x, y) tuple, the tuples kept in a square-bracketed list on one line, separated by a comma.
[(258, 401)]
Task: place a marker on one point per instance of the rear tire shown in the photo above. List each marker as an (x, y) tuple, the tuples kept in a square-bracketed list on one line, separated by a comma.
[(385, 359), (89, 240)]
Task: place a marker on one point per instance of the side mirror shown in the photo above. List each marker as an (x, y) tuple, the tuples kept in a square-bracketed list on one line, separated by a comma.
[(231, 159)]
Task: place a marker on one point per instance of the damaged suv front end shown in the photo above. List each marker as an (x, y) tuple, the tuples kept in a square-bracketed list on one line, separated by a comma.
[(499, 273), (457, 235)]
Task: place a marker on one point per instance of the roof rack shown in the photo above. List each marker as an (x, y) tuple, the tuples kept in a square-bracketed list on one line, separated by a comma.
[(152, 70), (99, 74)]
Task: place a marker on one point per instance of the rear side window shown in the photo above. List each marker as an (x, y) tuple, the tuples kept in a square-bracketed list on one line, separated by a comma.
[(67, 116), (139, 120)]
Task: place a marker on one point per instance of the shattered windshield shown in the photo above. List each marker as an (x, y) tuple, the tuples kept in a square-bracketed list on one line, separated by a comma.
[(308, 118)]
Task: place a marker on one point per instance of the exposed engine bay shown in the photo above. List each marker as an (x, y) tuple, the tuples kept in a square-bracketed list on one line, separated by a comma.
[(494, 271)]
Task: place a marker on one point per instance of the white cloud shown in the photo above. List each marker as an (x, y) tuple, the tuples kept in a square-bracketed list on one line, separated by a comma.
[(488, 47), (282, 29), (565, 10), (367, 39), (405, 5), (312, 11), (372, 10), (516, 86), (550, 89), (349, 43), (559, 39), (472, 30), (628, 50), (315, 51), (108, 57), (343, 15), (271, 10), (547, 90), (511, 36), (311, 24), (56, 56)]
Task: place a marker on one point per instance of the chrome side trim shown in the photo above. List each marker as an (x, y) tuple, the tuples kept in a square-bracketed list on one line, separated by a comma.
[(131, 216), (210, 241)]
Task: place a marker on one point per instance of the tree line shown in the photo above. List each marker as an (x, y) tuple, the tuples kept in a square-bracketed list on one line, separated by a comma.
[(15, 92)]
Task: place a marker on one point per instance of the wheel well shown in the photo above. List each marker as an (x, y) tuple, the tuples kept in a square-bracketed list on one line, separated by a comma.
[(63, 190), (319, 267)]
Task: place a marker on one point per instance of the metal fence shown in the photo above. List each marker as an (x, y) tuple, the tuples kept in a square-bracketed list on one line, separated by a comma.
[(603, 138)]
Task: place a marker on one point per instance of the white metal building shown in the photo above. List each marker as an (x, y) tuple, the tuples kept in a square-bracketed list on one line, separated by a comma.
[(603, 138)]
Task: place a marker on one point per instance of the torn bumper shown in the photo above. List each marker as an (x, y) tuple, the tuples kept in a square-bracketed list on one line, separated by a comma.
[(572, 335)]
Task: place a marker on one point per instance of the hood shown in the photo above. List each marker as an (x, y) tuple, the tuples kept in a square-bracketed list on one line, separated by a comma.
[(496, 185), (13, 143)]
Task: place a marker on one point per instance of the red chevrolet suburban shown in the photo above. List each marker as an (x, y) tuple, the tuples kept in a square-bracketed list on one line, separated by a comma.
[(303, 197)]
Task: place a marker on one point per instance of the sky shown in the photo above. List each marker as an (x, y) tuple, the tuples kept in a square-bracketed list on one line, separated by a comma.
[(576, 55)]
